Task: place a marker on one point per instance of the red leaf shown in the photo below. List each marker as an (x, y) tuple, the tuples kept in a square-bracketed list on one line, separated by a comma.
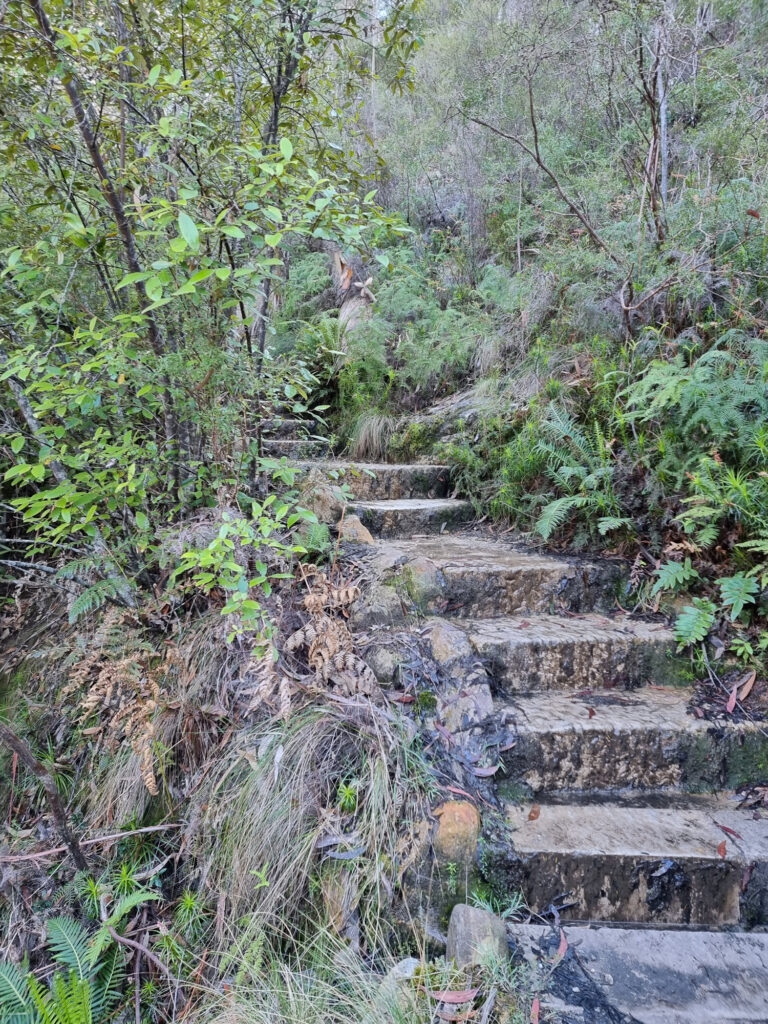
[(524, 624), (749, 682), (732, 700), (459, 792), (485, 773), (444, 732), (562, 949), (535, 1007), (592, 712), (534, 812), (721, 850), (454, 998), (729, 831), (753, 213), (406, 698)]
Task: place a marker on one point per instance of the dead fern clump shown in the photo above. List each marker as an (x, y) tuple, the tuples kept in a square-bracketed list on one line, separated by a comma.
[(330, 646)]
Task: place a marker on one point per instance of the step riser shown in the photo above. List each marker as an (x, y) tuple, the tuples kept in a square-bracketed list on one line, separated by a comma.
[(488, 593), (295, 448), (699, 892), (639, 759), (409, 522), (571, 665), (388, 483)]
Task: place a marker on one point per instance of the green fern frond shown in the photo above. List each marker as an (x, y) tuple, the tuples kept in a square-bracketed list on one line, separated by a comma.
[(555, 514), (608, 523), (674, 576), (15, 1007), (694, 622), (95, 596), (736, 592), (70, 942)]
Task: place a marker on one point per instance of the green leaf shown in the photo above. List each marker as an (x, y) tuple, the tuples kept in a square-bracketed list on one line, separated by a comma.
[(17, 444), (738, 591), (188, 230), (139, 275), (232, 231), (273, 240), (141, 521), (154, 74), (286, 148), (694, 622), (674, 576)]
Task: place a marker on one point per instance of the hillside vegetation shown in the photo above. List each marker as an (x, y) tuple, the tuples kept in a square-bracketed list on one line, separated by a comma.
[(554, 214)]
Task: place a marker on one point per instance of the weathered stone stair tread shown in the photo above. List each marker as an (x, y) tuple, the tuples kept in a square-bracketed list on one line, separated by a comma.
[(662, 976), (543, 652), (641, 739), (643, 863), (410, 516), (383, 481), (481, 577), (684, 829)]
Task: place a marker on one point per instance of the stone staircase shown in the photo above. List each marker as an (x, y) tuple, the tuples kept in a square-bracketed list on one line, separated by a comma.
[(615, 796)]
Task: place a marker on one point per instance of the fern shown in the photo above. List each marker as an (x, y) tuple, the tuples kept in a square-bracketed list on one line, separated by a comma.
[(738, 591), (69, 941), (694, 622), (95, 596), (674, 576), (14, 996), (125, 906), (606, 524), (555, 514)]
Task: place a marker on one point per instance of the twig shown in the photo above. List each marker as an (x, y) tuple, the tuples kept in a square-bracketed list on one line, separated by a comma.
[(131, 944), (90, 842)]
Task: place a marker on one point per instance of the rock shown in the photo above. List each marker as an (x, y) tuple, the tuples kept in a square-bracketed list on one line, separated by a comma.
[(448, 642), (423, 580), (319, 496), (352, 530), (463, 707), (455, 841), (474, 934), (379, 606), (383, 661), (396, 995)]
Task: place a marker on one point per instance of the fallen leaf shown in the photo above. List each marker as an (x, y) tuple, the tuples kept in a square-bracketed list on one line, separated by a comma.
[(486, 773), (754, 213), (524, 624), (732, 700), (747, 687), (444, 732), (721, 848), (535, 1007), (406, 698), (534, 812), (459, 792), (729, 831), (508, 746), (454, 998), (444, 1015), (592, 712)]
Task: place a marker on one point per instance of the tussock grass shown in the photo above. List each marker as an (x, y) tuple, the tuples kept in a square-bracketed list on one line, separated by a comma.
[(371, 436), (271, 813)]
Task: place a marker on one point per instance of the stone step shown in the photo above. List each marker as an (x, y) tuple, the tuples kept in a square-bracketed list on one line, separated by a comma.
[(659, 976), (552, 652), (659, 861), (369, 481), (297, 449), (410, 516), (643, 739), (473, 576)]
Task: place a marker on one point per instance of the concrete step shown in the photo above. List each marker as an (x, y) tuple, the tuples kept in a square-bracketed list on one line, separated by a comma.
[(654, 976), (473, 576), (297, 449), (409, 516), (552, 652), (369, 481), (657, 861), (643, 739)]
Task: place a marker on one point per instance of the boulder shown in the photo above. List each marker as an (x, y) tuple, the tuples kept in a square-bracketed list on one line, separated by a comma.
[(448, 642), (384, 661), (473, 935), (423, 581), (463, 707), (351, 529), (396, 995), (379, 606), (458, 830)]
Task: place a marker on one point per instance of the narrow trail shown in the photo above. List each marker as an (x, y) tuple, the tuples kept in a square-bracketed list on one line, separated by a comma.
[(617, 796)]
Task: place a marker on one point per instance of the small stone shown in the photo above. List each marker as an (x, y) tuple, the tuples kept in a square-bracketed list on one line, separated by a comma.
[(455, 841), (474, 934), (352, 530), (383, 662), (319, 497), (463, 707), (379, 606), (449, 643), (395, 991)]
